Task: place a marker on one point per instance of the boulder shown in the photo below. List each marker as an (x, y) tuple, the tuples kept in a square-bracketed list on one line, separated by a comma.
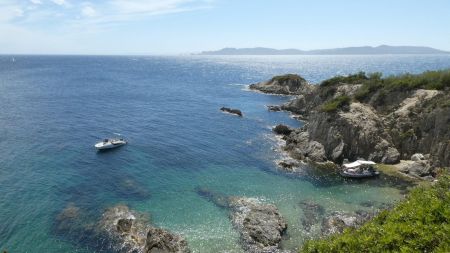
[(421, 168), (161, 241), (261, 226), (132, 232), (336, 222), (282, 129), (391, 156), (274, 108), (232, 111)]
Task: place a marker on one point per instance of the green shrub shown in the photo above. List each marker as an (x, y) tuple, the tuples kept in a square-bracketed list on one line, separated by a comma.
[(421, 223), (287, 77), (336, 103), (350, 79)]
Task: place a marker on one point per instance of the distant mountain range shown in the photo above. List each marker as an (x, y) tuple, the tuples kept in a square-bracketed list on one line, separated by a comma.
[(383, 49)]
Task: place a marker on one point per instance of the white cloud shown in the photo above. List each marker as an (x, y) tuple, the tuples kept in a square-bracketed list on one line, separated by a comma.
[(88, 11), (36, 1), (60, 2)]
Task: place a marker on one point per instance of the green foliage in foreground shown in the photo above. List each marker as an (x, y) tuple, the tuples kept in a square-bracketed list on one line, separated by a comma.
[(418, 224), (287, 77), (335, 104)]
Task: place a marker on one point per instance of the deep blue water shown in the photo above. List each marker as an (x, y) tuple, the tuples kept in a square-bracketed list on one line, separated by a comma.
[(54, 108)]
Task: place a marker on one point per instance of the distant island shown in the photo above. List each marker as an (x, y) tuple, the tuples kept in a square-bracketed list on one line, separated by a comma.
[(383, 49)]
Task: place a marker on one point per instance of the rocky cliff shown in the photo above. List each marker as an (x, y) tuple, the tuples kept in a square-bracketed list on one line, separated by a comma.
[(361, 116)]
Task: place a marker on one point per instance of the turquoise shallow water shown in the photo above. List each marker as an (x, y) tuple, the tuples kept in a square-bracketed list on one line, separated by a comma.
[(54, 108)]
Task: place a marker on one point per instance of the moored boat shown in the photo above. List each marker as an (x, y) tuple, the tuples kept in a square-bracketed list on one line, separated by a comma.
[(359, 169), (110, 143)]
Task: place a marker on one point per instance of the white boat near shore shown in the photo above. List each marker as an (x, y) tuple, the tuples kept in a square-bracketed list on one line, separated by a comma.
[(359, 169), (110, 143)]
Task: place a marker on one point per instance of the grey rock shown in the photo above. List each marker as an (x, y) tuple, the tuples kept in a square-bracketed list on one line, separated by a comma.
[(161, 241), (132, 232), (274, 108), (282, 129), (391, 156), (421, 168), (261, 226), (336, 222), (232, 111)]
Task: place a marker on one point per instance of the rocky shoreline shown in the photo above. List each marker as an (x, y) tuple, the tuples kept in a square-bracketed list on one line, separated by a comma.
[(385, 127), (119, 229)]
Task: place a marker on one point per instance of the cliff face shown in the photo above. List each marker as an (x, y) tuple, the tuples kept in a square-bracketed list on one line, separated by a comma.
[(363, 117)]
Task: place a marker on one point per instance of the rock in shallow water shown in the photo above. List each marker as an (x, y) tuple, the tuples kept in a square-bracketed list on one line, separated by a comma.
[(232, 111), (260, 225), (118, 230), (338, 221)]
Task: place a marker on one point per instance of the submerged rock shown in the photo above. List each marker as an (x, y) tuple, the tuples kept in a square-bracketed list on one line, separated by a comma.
[(161, 241), (312, 213), (274, 108), (120, 230), (260, 225), (132, 233), (336, 222), (232, 111)]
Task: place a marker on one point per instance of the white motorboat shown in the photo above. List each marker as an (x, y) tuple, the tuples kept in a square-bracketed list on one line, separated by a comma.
[(110, 143), (359, 169)]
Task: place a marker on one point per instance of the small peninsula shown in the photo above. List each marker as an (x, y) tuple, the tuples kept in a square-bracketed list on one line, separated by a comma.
[(363, 50)]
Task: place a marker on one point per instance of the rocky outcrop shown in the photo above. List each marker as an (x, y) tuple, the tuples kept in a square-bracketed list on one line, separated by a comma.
[(119, 229), (282, 129), (285, 85), (232, 111), (260, 225), (131, 232), (160, 240), (385, 126), (419, 168), (274, 108)]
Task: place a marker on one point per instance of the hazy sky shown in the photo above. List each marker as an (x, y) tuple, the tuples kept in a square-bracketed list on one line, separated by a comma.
[(185, 26)]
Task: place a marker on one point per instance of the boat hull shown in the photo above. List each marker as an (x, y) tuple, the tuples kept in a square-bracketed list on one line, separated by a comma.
[(105, 146), (359, 175)]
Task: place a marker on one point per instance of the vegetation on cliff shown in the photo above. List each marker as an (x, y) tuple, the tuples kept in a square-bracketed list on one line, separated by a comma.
[(287, 77), (421, 223), (336, 103)]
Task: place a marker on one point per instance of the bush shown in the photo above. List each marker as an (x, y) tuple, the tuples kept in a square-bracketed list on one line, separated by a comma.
[(336, 103), (421, 223), (350, 79), (287, 77)]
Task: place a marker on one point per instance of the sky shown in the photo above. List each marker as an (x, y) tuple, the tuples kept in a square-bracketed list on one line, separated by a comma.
[(190, 26)]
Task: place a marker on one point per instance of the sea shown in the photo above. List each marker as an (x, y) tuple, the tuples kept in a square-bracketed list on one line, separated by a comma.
[(53, 109)]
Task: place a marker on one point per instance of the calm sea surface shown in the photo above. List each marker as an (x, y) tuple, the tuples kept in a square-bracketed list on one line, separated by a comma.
[(54, 108)]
